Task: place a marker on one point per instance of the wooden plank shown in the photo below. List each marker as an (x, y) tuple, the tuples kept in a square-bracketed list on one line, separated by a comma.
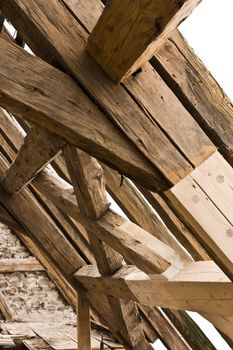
[(91, 130), (39, 148), (22, 265), (143, 133), (166, 331), (89, 186), (127, 34), (199, 92), (5, 309), (179, 228), (83, 324), (213, 234), (192, 293)]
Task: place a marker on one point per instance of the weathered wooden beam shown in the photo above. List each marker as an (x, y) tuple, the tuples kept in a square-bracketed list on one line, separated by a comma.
[(193, 84), (56, 110), (22, 265), (89, 186), (38, 149), (127, 34), (35, 220), (200, 287), (155, 98), (143, 132), (130, 200), (137, 245), (83, 324), (207, 193), (5, 309)]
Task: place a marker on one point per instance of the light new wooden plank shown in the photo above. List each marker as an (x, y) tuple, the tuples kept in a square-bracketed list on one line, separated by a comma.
[(127, 34), (213, 230), (193, 293), (68, 41), (43, 102)]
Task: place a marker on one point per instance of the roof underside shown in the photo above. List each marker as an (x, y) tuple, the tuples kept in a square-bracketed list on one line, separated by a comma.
[(159, 142)]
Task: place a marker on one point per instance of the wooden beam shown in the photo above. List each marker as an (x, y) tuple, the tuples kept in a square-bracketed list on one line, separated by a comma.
[(21, 265), (89, 186), (127, 34), (38, 149), (81, 124), (200, 287), (143, 133), (83, 324), (137, 209), (179, 228), (203, 195), (137, 245), (155, 98), (193, 84), (5, 309)]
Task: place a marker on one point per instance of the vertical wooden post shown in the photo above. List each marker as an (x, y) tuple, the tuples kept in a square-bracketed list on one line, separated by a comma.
[(83, 324)]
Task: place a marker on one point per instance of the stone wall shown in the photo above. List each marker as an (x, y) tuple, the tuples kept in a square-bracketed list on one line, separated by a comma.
[(31, 296)]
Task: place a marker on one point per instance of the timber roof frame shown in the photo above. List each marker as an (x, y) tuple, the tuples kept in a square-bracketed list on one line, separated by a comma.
[(84, 132)]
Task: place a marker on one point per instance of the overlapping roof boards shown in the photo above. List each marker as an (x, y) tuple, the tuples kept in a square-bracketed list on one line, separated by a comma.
[(159, 142)]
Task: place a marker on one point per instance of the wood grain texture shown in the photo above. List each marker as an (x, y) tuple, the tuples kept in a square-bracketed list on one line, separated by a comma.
[(127, 34), (190, 289), (46, 104), (88, 181), (89, 186), (70, 40), (134, 205), (39, 148), (83, 324), (123, 236), (22, 265), (183, 232), (199, 92), (200, 210)]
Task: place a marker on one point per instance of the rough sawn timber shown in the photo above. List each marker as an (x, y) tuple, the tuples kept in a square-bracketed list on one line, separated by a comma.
[(128, 33), (89, 186)]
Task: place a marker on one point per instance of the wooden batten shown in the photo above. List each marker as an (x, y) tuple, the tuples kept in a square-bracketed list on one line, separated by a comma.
[(127, 34), (198, 91)]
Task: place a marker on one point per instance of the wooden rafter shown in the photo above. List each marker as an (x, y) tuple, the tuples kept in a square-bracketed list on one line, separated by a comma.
[(193, 84), (127, 34), (143, 133)]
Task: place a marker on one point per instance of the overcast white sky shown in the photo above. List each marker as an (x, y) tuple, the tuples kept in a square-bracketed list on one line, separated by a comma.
[(209, 31)]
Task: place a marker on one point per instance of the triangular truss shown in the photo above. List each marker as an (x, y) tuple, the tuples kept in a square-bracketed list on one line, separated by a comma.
[(160, 142)]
